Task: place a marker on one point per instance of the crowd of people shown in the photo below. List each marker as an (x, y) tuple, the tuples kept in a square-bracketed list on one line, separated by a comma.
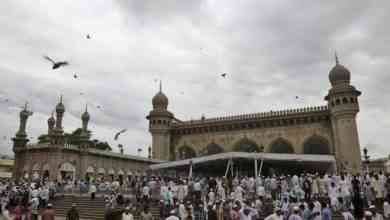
[(291, 197)]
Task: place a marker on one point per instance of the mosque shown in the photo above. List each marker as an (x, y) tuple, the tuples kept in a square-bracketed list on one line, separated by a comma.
[(318, 138)]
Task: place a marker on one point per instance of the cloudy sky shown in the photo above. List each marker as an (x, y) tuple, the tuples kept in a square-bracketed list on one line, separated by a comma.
[(272, 51)]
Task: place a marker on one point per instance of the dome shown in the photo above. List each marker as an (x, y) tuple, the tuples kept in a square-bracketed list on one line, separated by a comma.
[(60, 107), (160, 101), (85, 116), (339, 74), (51, 120)]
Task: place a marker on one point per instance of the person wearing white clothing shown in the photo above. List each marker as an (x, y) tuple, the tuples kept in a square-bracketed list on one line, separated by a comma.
[(375, 214), (172, 216), (295, 215), (126, 215), (275, 216), (386, 209)]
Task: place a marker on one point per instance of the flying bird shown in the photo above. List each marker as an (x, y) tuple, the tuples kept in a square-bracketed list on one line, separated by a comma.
[(75, 76), (81, 93), (88, 36), (119, 133), (224, 75), (296, 97), (56, 65), (98, 106)]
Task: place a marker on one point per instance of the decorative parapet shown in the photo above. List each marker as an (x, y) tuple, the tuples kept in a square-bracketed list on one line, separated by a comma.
[(254, 116), (252, 121), (103, 153)]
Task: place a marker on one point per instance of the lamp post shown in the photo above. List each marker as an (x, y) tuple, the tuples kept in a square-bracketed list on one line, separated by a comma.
[(366, 158)]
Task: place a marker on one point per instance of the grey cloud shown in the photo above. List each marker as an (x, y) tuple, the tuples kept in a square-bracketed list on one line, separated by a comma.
[(271, 50)]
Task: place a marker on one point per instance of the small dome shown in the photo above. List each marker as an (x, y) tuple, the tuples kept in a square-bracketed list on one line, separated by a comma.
[(339, 74), (160, 101), (85, 116), (51, 121), (60, 107)]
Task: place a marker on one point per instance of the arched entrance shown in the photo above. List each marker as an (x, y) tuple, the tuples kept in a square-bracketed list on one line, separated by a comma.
[(121, 174), (67, 171), (89, 174), (213, 148), (246, 145), (101, 173), (186, 152), (35, 172), (46, 171), (281, 146), (111, 173), (316, 145)]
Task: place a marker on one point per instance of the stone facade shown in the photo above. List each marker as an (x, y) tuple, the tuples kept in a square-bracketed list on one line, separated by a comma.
[(55, 159), (329, 129)]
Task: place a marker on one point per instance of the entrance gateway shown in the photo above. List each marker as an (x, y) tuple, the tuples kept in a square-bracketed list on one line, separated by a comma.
[(242, 163)]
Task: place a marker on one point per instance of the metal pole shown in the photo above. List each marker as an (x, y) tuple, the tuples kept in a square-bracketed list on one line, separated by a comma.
[(227, 167), (255, 167)]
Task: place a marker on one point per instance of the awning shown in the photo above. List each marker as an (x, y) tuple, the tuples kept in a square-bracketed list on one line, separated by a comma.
[(101, 171), (111, 171), (120, 172), (129, 173), (243, 155), (46, 167), (5, 175), (90, 169), (36, 167), (67, 167)]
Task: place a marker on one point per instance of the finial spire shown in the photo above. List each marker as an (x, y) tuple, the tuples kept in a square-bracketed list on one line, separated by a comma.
[(61, 98), (86, 107), (160, 85), (336, 57), (25, 106), (52, 113)]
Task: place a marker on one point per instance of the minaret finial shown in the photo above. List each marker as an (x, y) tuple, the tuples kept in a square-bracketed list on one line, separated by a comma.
[(61, 98), (86, 107), (336, 57), (25, 105), (52, 113), (160, 85)]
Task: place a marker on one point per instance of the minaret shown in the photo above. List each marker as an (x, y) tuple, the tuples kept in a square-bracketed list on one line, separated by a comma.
[(60, 109), (343, 105), (57, 137), (84, 136), (85, 119), (20, 141), (159, 126), (51, 123)]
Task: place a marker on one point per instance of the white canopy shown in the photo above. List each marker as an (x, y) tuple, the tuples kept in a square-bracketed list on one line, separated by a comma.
[(120, 172), (67, 167), (129, 173), (90, 169), (46, 167), (243, 155), (101, 171), (111, 171), (35, 167)]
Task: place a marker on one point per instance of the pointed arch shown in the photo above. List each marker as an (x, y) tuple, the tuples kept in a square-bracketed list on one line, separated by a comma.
[(246, 145), (186, 152), (213, 148), (316, 145), (281, 146)]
